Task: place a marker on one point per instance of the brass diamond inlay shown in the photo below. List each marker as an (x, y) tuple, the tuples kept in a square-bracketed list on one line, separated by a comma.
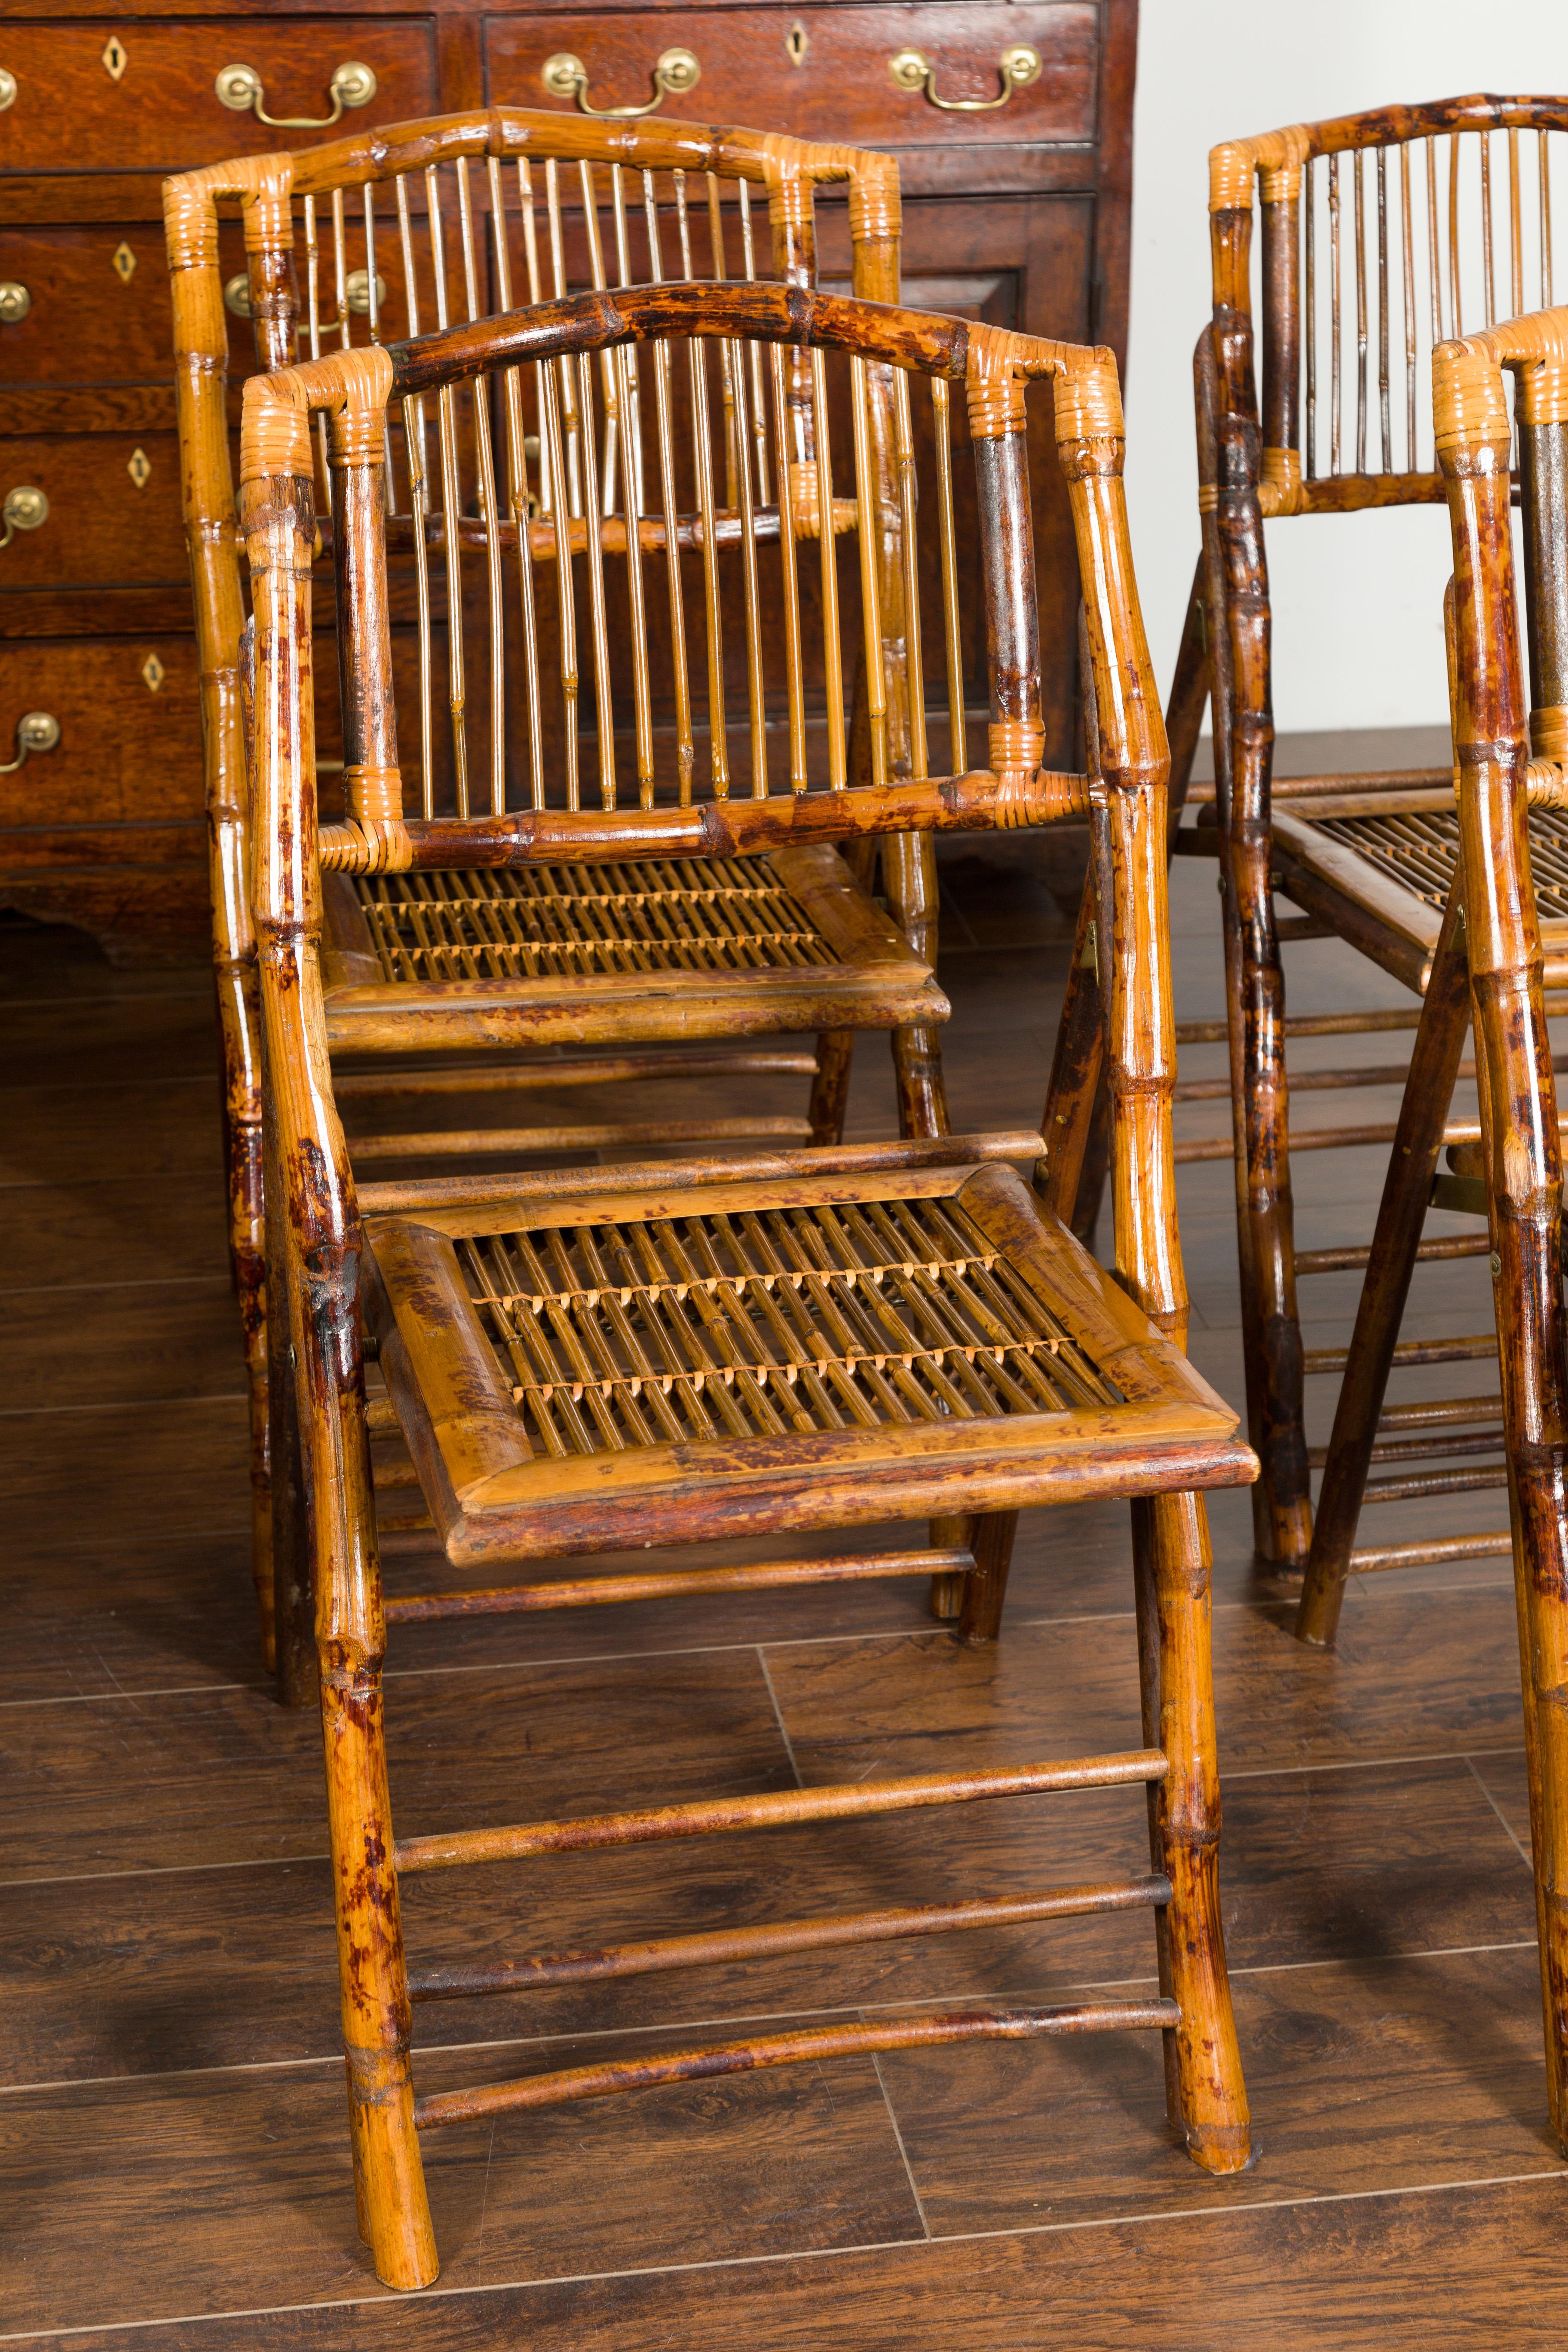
[(123, 261), (115, 57), (152, 671), (139, 466)]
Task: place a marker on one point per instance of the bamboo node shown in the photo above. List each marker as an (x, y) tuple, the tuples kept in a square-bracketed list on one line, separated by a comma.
[(373, 795)]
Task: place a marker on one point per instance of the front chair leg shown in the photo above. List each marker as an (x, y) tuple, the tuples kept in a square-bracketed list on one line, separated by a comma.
[(1206, 2095), (293, 1604)]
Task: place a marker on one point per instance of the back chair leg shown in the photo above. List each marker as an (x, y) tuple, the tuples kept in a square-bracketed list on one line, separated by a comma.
[(908, 878), (830, 1087), (293, 1608), (250, 1281), (953, 1534), (1418, 1142), (985, 1587), (1271, 1332), (1205, 2090)]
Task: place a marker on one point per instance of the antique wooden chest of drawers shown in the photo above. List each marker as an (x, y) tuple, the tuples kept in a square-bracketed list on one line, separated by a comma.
[(1018, 213)]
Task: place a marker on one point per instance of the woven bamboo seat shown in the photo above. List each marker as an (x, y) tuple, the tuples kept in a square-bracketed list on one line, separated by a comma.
[(587, 1371), (357, 239), (691, 1352), (793, 941)]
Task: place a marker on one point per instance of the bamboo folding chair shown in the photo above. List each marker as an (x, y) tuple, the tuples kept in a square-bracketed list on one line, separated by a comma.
[(1492, 965), (702, 1351), (453, 219), (1378, 238)]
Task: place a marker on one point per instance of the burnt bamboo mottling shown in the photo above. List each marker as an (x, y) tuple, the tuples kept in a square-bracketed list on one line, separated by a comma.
[(436, 208), (1363, 222), (1511, 751), (700, 1350)]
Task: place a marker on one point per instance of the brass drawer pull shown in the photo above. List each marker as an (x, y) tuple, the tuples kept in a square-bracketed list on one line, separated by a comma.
[(7, 90), (1018, 66), (25, 509), (36, 732), (14, 301), (356, 287), (676, 72), (239, 87)]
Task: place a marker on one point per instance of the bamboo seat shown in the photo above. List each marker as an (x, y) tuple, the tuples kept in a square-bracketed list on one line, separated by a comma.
[(576, 1373), (1373, 226), (519, 693), (686, 1353)]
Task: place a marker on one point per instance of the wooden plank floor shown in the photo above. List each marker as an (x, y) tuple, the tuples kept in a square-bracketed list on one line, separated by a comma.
[(173, 2158)]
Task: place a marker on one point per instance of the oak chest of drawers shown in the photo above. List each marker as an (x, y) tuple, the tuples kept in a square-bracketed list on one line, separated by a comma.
[(1018, 213)]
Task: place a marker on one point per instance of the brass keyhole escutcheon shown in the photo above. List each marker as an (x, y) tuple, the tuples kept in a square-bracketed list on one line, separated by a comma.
[(796, 43), (1018, 66), (123, 261), (675, 73), (152, 673), (116, 56), (139, 466)]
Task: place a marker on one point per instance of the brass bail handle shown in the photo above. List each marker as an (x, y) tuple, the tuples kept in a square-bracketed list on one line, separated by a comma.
[(1018, 66), (25, 509), (676, 72), (240, 89), (36, 731)]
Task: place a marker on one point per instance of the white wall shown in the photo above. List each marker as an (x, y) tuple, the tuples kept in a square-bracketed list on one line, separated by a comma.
[(1358, 598)]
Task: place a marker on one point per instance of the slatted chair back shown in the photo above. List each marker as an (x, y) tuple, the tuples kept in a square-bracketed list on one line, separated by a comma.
[(357, 239), (361, 240), (786, 789), (1381, 234)]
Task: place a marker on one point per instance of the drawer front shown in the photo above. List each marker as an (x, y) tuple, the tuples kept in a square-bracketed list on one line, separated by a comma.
[(114, 510), (140, 96), (842, 87), (131, 733), (99, 304)]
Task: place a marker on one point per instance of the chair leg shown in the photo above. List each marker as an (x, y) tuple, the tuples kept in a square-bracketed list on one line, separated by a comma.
[(1271, 1332), (350, 1637), (953, 1534), (1540, 1838), (1418, 1142), (1205, 2089), (293, 1612), (908, 878), (985, 1586), (250, 1280), (830, 1087), (378, 2017)]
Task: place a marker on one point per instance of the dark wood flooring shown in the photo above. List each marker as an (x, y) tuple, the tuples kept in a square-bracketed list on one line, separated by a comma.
[(173, 2158)]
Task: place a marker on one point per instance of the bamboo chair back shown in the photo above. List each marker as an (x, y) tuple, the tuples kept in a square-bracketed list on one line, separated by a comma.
[(870, 359), (1381, 234), (360, 240)]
